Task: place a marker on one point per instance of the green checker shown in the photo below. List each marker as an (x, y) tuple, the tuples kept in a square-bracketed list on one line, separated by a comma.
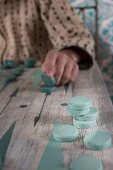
[(65, 133), (90, 116), (45, 89), (49, 81), (80, 101), (98, 140), (78, 108), (84, 124), (30, 62), (12, 64), (86, 163), (78, 113), (9, 64)]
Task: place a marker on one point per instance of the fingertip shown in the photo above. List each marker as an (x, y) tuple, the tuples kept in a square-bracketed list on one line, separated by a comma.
[(50, 73)]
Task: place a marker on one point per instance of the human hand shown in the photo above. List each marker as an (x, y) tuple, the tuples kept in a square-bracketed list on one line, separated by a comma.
[(62, 65)]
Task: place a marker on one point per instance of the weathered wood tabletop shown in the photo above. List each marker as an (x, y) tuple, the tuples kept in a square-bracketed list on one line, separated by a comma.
[(28, 143)]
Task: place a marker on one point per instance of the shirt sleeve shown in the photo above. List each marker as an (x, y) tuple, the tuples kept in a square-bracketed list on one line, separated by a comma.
[(66, 29)]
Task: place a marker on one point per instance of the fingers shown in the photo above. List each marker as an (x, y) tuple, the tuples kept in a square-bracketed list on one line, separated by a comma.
[(60, 65), (50, 61), (67, 73), (74, 73)]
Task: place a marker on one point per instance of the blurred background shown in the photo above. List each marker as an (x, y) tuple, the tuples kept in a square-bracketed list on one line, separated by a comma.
[(98, 17)]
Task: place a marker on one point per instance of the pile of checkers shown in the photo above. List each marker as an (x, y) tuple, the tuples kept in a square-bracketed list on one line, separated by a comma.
[(16, 70), (49, 83), (10, 64), (83, 112), (84, 116)]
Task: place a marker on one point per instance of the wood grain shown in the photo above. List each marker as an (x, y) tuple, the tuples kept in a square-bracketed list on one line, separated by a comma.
[(28, 143)]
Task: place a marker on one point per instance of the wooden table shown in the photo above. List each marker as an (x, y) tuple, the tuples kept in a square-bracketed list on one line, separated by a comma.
[(28, 143)]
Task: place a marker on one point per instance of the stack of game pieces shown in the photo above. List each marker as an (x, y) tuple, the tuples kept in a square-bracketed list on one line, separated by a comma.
[(30, 62), (84, 114), (65, 133), (49, 83)]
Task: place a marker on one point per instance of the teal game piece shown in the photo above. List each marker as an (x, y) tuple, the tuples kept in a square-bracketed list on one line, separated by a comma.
[(47, 89), (49, 81), (90, 116), (4, 142), (79, 105), (30, 62), (65, 133), (80, 102), (84, 124), (98, 140), (12, 64), (77, 112), (9, 64), (86, 163), (5, 64)]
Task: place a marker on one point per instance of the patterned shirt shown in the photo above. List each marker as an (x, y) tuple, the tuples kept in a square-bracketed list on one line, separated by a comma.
[(33, 27)]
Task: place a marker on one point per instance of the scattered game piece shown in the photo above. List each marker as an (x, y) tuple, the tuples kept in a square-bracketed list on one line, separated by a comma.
[(98, 140), (49, 81), (30, 62), (86, 163), (65, 133)]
